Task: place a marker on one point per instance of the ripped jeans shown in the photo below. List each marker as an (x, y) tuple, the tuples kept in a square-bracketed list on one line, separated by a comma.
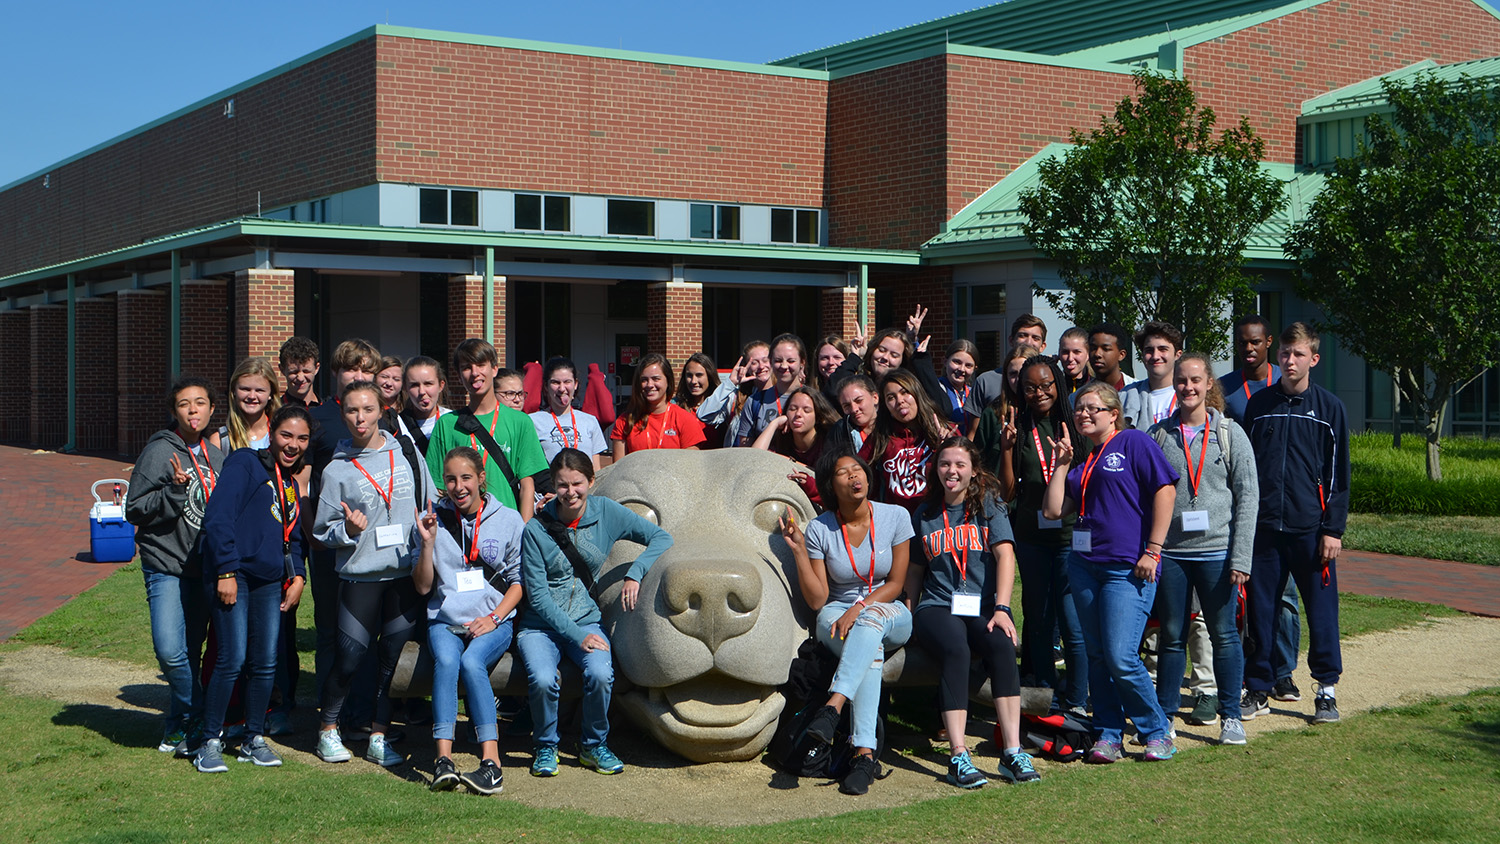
[(862, 659)]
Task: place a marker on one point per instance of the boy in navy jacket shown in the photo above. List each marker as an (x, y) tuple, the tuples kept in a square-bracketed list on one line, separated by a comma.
[(1300, 436)]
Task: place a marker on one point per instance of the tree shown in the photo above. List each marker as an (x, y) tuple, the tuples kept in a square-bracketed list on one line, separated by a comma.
[(1402, 246), (1147, 216)]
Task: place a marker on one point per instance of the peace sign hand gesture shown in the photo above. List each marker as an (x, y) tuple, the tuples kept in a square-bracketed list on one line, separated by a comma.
[(914, 323), (860, 342), (1008, 430), (179, 477)]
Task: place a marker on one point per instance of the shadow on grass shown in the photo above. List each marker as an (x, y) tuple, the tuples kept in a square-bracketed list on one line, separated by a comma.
[(123, 727)]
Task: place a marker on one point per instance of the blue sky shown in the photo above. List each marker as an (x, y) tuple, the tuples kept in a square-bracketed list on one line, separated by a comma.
[(79, 73)]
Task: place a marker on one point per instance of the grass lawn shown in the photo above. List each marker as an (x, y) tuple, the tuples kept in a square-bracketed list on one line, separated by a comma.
[(1464, 539), (1386, 480)]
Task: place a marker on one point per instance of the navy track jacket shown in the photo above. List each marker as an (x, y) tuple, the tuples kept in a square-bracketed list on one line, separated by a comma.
[(1301, 448)]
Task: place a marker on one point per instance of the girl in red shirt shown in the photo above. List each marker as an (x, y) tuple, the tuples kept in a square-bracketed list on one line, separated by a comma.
[(653, 421)]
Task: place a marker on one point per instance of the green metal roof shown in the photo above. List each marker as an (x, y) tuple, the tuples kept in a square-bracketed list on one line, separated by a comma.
[(1369, 95), (1048, 27), (991, 224)]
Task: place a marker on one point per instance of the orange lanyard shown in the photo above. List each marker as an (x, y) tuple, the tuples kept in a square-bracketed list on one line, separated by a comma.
[(286, 524), (208, 488), (385, 494), (474, 442), (572, 420), (1088, 471), (1193, 479), (472, 555), (870, 538), (1246, 385), (962, 560), (1048, 467), (1171, 408), (661, 435)]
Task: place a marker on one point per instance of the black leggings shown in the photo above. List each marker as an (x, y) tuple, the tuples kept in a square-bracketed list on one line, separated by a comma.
[(389, 608), (950, 639)]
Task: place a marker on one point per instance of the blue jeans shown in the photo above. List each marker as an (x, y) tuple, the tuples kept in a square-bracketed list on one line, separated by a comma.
[(1113, 605), (179, 623), (455, 657), (247, 634), (1217, 597), (862, 659), (542, 652), (1046, 604), (1288, 633)]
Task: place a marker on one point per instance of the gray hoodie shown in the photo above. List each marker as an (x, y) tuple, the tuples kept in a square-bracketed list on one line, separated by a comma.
[(499, 549), (1229, 491), (360, 558), (168, 516)]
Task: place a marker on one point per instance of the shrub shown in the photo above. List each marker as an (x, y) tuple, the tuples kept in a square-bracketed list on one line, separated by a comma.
[(1387, 480)]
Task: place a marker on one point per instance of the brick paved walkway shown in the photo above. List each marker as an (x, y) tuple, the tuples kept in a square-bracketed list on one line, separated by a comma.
[(44, 501)]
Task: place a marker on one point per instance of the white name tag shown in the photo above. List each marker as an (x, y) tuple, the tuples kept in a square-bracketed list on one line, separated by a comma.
[(1083, 541), (966, 605), (1045, 523), (390, 536), (470, 580), (1195, 520)]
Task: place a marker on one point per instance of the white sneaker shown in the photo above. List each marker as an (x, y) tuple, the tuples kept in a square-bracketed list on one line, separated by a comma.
[(331, 747)]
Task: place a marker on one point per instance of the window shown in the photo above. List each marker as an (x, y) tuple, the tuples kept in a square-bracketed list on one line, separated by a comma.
[(535, 212), (444, 207), (794, 225), (716, 222), (631, 216)]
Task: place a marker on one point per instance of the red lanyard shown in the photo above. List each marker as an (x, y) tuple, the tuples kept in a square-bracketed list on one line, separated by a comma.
[(1203, 451), (1088, 471), (1246, 385), (1048, 467), (208, 488), (286, 524), (386, 494), (572, 420), (473, 553), (661, 435), (1171, 408), (474, 442), (870, 538), (962, 560)]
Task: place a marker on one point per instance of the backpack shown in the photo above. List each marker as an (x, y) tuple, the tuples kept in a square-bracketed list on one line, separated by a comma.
[(791, 750), (1060, 736), (1222, 433)]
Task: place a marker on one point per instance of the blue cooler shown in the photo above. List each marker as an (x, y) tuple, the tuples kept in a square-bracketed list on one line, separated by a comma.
[(111, 538)]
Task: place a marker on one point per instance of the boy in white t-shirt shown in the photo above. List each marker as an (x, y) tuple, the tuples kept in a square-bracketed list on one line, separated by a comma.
[(1152, 399)]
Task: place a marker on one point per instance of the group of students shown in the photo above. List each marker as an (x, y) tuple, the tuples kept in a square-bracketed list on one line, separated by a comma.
[(935, 485)]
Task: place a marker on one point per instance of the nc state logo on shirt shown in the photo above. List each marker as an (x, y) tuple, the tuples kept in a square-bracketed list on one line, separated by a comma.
[(1114, 462)]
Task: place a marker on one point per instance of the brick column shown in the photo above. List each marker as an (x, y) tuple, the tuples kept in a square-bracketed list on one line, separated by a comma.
[(841, 313), (140, 367), (263, 312), (674, 320), (466, 319), (205, 340), (49, 376), (95, 344), (15, 370)]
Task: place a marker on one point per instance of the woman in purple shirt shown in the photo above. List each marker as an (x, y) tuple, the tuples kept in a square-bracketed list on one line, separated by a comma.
[(1123, 495)]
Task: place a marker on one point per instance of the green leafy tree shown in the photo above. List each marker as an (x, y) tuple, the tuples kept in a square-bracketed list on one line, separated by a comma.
[(1400, 248), (1147, 216)]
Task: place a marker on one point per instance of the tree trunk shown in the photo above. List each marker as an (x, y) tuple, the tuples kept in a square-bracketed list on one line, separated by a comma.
[(1433, 427), (1396, 409)]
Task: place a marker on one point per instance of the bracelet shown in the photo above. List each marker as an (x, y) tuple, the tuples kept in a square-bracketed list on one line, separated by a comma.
[(1151, 542), (495, 619), (999, 607), (227, 576), (861, 602), (1155, 555)]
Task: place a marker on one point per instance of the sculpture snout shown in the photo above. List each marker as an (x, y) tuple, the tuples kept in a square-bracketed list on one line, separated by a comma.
[(712, 600)]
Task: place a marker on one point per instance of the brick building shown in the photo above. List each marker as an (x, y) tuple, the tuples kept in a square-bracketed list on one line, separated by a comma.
[(416, 188)]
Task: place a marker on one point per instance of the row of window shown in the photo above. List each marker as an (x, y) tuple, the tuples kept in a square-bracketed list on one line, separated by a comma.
[(628, 217)]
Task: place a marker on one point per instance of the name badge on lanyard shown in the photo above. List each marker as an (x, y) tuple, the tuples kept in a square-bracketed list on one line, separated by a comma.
[(1083, 541), (390, 536), (470, 580), (966, 605), (1194, 520)]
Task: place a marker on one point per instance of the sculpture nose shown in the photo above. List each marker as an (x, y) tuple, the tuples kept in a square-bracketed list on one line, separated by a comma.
[(712, 600)]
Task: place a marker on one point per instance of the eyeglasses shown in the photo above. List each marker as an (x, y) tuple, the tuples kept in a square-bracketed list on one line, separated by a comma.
[(1037, 389), (512, 394), (1089, 411)]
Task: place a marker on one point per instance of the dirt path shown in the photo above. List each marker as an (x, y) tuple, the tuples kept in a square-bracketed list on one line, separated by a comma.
[(1443, 657)]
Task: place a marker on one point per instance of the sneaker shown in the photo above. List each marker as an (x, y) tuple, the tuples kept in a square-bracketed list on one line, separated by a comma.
[(487, 780), (1205, 711), (381, 754), (823, 726), (862, 772), (444, 775), (210, 758), (1252, 704), (545, 763), (1105, 752), (1020, 768), (170, 738), (1325, 710), (1232, 732), (278, 723), (256, 750), (600, 759), (331, 747), (1286, 690), (188, 747), (962, 773), (1160, 749)]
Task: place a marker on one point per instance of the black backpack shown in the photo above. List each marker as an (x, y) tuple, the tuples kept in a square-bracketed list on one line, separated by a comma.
[(1060, 736), (805, 690)]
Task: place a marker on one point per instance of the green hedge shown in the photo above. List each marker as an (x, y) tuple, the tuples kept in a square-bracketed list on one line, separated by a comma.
[(1386, 480)]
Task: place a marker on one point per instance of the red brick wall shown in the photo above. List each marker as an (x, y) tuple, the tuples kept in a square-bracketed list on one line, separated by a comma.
[(95, 342), (840, 314), (886, 141), (674, 321), (466, 319), (205, 342), (141, 367), (49, 376), (932, 288), (304, 134), (15, 373), (262, 312), (1266, 72), (496, 117)]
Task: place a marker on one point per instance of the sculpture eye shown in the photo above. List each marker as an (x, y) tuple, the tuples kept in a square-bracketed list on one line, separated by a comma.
[(643, 510), (767, 514)]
